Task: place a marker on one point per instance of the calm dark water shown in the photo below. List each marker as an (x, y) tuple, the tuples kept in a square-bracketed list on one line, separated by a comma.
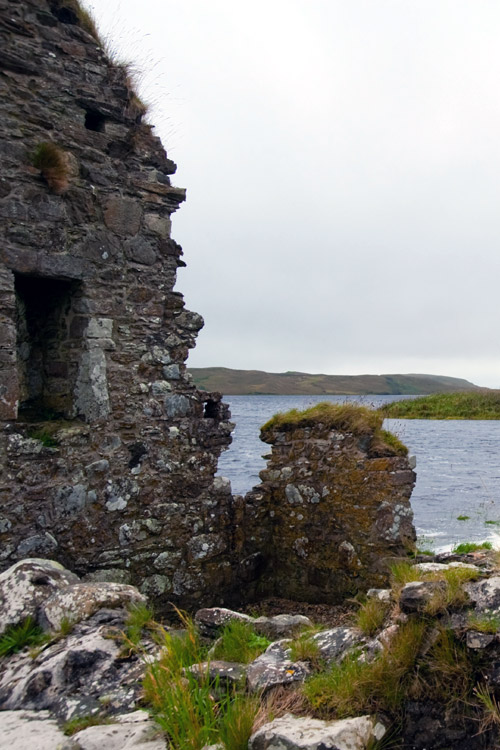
[(458, 465)]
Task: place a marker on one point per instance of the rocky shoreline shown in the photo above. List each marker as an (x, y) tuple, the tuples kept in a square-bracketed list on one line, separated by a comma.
[(89, 667)]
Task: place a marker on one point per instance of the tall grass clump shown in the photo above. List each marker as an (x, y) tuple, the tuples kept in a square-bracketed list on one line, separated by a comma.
[(140, 618), (239, 643), (371, 615), (17, 637), (357, 686), (191, 709)]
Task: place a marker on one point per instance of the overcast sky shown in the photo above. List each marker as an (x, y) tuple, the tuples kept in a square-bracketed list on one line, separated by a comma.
[(342, 166)]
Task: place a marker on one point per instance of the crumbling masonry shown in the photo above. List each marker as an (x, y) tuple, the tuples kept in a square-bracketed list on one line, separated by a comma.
[(108, 453)]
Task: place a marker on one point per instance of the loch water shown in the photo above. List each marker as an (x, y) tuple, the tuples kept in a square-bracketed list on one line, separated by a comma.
[(458, 466)]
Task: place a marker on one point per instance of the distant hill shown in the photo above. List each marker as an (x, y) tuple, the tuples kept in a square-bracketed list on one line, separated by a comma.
[(234, 382)]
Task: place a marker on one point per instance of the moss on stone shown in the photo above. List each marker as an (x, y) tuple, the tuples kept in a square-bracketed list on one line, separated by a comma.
[(351, 418), (359, 420)]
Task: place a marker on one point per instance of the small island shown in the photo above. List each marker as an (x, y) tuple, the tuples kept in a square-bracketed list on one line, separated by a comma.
[(480, 404)]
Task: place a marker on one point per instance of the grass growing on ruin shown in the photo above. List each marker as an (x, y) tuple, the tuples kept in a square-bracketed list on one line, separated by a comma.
[(371, 615), (51, 160), (358, 420), (480, 404), (17, 637), (354, 687), (71, 11), (240, 643), (346, 417)]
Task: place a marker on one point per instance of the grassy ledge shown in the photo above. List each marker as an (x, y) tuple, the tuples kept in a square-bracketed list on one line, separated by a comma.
[(358, 420), (483, 404)]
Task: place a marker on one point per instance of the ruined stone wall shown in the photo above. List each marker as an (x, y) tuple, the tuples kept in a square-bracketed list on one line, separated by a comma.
[(107, 451), (332, 508)]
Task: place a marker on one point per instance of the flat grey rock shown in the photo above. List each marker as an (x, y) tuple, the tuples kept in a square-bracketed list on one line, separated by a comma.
[(135, 730), (333, 643), (290, 733), (274, 667), (29, 730)]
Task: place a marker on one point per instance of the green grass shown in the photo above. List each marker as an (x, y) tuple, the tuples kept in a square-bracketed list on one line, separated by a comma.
[(192, 710), (484, 622), (463, 518), (371, 615), (45, 437), (17, 637), (239, 643), (140, 618), (353, 686), (351, 418), (83, 722), (465, 547), (480, 404), (304, 648)]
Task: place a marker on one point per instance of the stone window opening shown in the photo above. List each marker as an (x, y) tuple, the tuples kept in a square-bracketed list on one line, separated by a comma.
[(48, 346), (94, 120), (211, 410)]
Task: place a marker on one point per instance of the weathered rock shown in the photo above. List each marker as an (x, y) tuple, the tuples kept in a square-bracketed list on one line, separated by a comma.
[(335, 642), (435, 567), (211, 619), (26, 585), (290, 733), (135, 731), (70, 677), (23, 730), (226, 672), (81, 600), (280, 626), (339, 504), (428, 724), (274, 667), (478, 641), (416, 595), (383, 595), (485, 595)]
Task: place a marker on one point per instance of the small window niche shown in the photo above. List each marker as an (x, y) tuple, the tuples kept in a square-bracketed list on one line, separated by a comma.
[(49, 346), (95, 120)]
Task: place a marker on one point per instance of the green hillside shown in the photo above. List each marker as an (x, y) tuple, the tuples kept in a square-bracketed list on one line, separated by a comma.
[(480, 404), (233, 382)]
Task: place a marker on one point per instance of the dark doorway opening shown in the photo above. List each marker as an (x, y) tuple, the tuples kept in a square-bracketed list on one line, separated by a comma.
[(47, 350)]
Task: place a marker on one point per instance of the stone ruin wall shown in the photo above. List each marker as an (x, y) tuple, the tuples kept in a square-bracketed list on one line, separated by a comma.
[(332, 510), (93, 333), (121, 484)]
